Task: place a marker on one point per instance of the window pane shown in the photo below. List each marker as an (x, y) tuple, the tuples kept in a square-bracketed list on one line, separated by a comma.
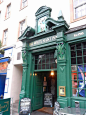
[(84, 51), (84, 44), (78, 71), (79, 60), (73, 47), (73, 54), (73, 60), (84, 59), (79, 52), (78, 46)]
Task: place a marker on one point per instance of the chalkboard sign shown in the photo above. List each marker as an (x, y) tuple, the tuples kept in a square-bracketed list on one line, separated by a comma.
[(48, 100), (25, 106)]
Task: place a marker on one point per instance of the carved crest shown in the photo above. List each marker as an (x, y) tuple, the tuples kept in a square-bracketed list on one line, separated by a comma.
[(61, 51)]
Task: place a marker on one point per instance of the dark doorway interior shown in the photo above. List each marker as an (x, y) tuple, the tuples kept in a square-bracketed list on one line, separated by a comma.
[(50, 83), (44, 82)]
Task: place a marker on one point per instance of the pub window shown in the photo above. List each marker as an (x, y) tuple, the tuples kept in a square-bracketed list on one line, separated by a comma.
[(45, 61), (78, 69), (79, 8)]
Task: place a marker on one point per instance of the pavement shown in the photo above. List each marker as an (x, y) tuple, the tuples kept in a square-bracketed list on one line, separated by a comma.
[(39, 113), (35, 113)]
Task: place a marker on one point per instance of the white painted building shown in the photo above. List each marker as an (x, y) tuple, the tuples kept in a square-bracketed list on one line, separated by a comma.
[(15, 16)]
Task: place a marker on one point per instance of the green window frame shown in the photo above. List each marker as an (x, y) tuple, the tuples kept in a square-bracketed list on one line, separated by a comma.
[(78, 69)]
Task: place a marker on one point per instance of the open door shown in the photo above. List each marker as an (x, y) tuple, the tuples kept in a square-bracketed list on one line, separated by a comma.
[(38, 91)]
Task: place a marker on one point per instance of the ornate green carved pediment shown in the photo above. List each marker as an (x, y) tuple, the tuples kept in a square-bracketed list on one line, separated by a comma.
[(51, 23), (29, 31), (42, 9)]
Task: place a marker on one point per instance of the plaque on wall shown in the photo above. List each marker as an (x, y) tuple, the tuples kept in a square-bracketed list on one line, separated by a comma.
[(62, 91), (48, 100), (25, 106)]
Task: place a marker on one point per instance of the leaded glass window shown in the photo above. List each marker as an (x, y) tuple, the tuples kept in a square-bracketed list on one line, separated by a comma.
[(78, 69), (45, 61)]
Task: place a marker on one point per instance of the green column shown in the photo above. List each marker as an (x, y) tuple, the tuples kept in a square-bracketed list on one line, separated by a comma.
[(61, 67), (29, 74), (25, 68)]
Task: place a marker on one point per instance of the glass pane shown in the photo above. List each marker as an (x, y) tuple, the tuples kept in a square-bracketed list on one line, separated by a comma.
[(35, 67), (47, 66), (39, 61), (84, 51), (79, 60), (79, 52), (81, 92), (39, 66), (52, 65), (52, 60), (43, 66), (85, 69), (78, 46), (73, 47), (47, 60), (84, 59), (73, 54), (51, 55), (43, 61), (73, 60), (36, 61), (74, 92), (84, 44)]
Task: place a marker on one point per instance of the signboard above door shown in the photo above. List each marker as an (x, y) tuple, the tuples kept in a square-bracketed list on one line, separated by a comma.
[(44, 40)]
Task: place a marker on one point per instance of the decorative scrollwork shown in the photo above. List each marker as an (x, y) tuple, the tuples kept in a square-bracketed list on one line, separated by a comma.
[(24, 56), (61, 51)]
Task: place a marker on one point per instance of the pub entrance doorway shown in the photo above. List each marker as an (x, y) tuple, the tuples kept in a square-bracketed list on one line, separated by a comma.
[(44, 82)]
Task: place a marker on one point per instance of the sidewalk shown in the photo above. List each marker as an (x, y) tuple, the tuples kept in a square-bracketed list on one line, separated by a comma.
[(35, 113), (39, 113)]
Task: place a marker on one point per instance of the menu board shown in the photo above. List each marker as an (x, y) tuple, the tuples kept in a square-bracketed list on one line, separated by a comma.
[(25, 106), (48, 100)]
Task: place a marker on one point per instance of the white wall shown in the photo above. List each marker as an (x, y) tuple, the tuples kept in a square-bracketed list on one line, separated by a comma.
[(28, 13), (16, 82), (8, 53), (18, 48)]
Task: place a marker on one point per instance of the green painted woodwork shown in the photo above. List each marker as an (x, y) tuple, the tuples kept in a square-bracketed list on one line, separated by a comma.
[(76, 36), (61, 51), (38, 91), (63, 103), (41, 13), (61, 46)]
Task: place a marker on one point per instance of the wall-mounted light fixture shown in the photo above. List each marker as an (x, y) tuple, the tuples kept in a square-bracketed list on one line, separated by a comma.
[(52, 73)]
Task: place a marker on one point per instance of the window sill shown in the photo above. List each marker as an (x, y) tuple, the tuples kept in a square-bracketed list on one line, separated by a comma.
[(78, 19), (7, 18), (23, 8), (76, 98)]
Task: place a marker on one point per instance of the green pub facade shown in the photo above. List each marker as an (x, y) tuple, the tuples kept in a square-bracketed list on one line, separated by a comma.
[(54, 61)]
